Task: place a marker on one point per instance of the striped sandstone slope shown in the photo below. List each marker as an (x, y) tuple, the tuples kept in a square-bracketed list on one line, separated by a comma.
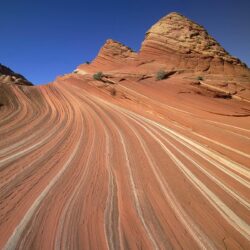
[(80, 169)]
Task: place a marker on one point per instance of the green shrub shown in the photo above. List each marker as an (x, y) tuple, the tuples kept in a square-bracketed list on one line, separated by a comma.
[(87, 62), (98, 76), (199, 78), (161, 75)]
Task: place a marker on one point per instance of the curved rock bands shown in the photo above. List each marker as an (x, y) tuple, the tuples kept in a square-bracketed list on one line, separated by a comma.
[(82, 170)]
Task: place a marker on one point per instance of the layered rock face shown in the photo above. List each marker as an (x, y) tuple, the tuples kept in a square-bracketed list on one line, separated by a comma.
[(115, 52), (10, 83), (183, 44), (112, 55), (9, 76), (176, 42)]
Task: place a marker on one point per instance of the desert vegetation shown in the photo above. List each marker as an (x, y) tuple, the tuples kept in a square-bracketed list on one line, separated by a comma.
[(98, 76), (161, 75)]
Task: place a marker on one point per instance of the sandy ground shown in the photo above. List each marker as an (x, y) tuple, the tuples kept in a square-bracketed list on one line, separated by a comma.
[(157, 166)]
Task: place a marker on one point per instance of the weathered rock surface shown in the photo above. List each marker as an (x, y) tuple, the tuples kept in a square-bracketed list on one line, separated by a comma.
[(175, 43), (112, 55), (9, 76), (183, 44)]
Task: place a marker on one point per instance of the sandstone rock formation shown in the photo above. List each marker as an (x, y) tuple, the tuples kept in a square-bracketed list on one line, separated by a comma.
[(175, 42), (9, 83), (183, 44), (112, 55), (9, 76)]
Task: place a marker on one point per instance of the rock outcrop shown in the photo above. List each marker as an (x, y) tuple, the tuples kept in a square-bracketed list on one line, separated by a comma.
[(175, 42), (9, 76), (112, 55), (183, 44)]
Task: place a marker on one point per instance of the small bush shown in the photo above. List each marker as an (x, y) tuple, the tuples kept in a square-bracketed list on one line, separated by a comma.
[(113, 92), (199, 78), (87, 62), (161, 75), (98, 76)]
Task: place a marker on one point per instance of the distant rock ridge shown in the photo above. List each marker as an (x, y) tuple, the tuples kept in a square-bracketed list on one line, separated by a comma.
[(9, 76), (176, 42)]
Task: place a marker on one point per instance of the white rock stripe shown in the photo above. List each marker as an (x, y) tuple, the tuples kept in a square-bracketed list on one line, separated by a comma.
[(223, 145)]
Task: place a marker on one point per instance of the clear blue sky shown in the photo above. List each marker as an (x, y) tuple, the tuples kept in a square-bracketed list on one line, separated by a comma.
[(42, 39)]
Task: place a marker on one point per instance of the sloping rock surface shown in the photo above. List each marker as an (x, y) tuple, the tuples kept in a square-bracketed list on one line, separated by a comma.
[(181, 43)]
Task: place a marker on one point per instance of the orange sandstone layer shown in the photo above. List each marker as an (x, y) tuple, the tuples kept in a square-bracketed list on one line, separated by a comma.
[(147, 168)]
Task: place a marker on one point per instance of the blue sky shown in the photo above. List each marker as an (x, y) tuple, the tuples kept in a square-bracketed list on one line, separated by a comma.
[(46, 38)]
